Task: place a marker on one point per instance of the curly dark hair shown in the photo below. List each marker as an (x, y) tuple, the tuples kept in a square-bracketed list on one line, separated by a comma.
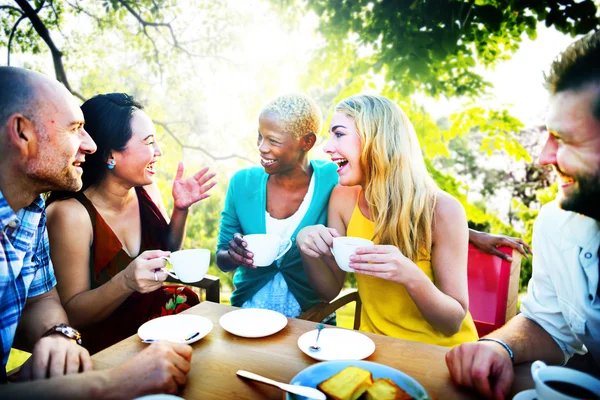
[(576, 67)]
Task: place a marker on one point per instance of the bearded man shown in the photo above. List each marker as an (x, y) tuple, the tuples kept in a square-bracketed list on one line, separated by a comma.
[(561, 314)]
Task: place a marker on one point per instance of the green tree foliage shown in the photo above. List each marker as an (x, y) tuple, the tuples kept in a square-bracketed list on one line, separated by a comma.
[(432, 46), (158, 34)]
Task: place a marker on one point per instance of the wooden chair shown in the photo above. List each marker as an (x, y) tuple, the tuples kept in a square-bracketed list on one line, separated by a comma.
[(493, 288), (320, 311), (210, 284)]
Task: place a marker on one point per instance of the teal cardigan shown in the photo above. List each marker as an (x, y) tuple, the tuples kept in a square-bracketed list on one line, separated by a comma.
[(244, 212)]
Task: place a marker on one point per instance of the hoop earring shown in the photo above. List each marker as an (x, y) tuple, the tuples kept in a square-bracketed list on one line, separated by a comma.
[(111, 164)]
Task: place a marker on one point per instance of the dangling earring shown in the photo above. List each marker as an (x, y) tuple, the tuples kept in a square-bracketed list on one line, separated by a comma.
[(111, 164)]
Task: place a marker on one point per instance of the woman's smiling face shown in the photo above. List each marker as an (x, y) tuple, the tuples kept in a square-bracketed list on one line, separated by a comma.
[(136, 164), (344, 147), (280, 151)]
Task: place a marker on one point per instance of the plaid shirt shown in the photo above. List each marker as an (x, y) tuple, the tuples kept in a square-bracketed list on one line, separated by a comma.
[(25, 267)]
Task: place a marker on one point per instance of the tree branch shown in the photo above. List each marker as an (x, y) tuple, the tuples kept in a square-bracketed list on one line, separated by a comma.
[(11, 8), (12, 34), (147, 23), (165, 126), (78, 8), (41, 29)]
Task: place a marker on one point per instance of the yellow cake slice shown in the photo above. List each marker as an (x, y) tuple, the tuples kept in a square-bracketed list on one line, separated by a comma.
[(386, 389), (348, 384)]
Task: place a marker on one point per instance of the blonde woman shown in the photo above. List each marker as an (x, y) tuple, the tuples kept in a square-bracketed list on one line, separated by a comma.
[(413, 282)]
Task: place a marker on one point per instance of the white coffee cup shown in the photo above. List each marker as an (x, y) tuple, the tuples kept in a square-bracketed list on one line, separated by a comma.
[(267, 248), (553, 383), (189, 265), (344, 247)]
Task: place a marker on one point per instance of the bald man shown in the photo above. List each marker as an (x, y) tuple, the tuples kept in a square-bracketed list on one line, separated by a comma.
[(42, 147)]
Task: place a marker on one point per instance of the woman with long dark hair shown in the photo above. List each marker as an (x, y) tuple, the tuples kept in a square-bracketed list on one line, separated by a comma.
[(107, 239)]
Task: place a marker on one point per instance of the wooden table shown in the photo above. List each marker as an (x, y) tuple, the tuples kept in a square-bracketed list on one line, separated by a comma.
[(219, 355)]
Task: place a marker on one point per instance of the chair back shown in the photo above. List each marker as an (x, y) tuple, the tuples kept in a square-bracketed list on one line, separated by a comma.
[(493, 288), (320, 311)]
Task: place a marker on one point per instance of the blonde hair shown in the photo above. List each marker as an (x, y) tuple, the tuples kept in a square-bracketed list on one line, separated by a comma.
[(400, 192), (298, 113)]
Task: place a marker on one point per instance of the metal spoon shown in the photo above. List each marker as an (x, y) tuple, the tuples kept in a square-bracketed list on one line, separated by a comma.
[(189, 337), (304, 391), (316, 347)]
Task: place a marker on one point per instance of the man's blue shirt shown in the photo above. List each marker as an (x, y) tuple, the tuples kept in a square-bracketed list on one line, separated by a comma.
[(25, 267)]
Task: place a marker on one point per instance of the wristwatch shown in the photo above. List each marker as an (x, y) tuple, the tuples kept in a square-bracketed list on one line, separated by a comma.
[(66, 330)]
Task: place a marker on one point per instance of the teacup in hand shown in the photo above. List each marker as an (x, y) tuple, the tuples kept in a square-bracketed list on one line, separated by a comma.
[(560, 383), (344, 247), (267, 248), (189, 265)]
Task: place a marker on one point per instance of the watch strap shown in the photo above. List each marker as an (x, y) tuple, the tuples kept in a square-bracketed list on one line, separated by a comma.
[(66, 330)]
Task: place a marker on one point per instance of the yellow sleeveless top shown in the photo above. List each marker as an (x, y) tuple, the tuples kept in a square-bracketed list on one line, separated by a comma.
[(387, 308)]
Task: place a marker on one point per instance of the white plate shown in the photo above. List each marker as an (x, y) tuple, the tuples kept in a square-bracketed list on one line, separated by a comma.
[(253, 322), (526, 395), (175, 328), (337, 344), (159, 397)]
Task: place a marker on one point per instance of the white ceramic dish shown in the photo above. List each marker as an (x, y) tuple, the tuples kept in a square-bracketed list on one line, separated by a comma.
[(337, 344), (175, 328), (253, 322)]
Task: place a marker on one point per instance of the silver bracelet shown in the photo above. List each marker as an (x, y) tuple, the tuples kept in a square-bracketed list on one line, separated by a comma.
[(501, 343)]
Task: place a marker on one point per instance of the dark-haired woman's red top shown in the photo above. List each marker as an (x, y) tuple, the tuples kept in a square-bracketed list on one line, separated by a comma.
[(109, 258)]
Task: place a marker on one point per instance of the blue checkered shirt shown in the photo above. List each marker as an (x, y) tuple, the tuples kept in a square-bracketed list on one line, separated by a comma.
[(25, 267)]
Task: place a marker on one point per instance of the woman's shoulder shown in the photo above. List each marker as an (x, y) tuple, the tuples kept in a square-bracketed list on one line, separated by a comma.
[(344, 197), (248, 175), (68, 212), (448, 209)]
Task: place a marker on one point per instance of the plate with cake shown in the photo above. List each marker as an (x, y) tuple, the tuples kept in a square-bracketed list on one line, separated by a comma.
[(355, 379)]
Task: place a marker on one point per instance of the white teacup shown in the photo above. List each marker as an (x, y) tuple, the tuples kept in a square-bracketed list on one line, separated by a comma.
[(266, 248), (344, 247), (560, 383), (189, 265)]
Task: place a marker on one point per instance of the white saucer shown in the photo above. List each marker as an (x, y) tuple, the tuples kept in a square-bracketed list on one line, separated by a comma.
[(176, 328), (253, 322), (526, 395), (337, 344)]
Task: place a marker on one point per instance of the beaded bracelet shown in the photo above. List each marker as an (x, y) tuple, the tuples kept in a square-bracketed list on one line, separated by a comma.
[(501, 343)]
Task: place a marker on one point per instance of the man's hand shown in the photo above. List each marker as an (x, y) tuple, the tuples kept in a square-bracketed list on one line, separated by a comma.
[(161, 368), (483, 366), (55, 355)]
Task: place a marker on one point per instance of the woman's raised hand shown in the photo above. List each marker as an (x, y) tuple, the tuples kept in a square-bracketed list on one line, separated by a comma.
[(191, 190), (315, 241), (145, 274), (238, 253)]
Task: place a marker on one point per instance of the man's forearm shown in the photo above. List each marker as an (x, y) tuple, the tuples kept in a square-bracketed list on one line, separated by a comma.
[(529, 341), (40, 314), (77, 386)]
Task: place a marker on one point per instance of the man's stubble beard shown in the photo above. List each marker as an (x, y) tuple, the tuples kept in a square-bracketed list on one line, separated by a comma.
[(585, 198)]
